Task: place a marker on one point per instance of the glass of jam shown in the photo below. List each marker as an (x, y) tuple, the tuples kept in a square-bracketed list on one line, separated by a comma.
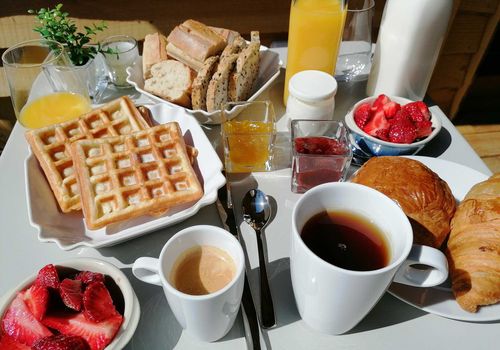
[(320, 153), (248, 133)]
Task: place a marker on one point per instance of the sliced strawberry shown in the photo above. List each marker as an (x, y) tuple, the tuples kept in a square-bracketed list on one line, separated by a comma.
[(383, 134), (380, 102), (87, 277), (97, 335), (362, 114), (97, 302), (61, 342), (19, 323), (413, 111), (48, 277), (36, 298), (8, 343), (390, 109), (424, 128), (71, 293), (378, 122), (424, 109), (403, 132)]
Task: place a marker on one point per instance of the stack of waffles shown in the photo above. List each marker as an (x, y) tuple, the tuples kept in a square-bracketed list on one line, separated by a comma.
[(111, 164)]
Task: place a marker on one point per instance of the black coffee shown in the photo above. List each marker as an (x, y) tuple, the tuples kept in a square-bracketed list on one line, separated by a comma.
[(347, 240)]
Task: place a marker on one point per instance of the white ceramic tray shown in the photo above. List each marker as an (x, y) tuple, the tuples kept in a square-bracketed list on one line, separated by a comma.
[(268, 71), (68, 231)]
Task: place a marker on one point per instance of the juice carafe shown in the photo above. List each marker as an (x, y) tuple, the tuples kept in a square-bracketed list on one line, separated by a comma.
[(314, 36)]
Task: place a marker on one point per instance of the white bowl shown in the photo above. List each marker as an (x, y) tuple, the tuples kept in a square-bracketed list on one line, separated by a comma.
[(373, 146), (131, 313)]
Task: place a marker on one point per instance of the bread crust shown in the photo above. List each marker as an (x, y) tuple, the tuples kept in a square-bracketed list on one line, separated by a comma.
[(154, 51), (200, 84), (218, 86)]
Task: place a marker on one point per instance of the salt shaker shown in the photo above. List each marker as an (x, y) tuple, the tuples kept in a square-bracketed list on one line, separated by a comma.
[(410, 38), (311, 96)]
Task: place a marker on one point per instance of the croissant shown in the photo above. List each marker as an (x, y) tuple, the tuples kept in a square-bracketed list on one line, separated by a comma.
[(424, 197), (474, 246)]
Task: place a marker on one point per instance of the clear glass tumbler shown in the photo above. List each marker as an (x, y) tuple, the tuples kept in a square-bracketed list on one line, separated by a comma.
[(354, 60), (320, 153), (125, 53), (248, 134)]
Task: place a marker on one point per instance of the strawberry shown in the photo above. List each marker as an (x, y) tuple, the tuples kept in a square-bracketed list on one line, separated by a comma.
[(61, 342), (71, 293), (8, 343), (383, 134), (424, 128), (404, 131), (97, 335), (48, 277), (19, 323), (378, 122), (414, 111), (362, 114), (87, 277), (424, 109), (380, 102), (97, 302), (36, 298), (390, 109)]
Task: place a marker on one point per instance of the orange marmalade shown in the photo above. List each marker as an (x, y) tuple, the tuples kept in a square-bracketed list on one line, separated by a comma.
[(247, 145)]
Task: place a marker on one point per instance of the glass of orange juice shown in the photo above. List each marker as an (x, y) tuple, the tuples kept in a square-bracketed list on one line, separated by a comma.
[(44, 87), (248, 133), (314, 36)]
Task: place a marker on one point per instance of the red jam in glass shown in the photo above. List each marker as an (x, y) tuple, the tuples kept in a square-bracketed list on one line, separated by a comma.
[(317, 160)]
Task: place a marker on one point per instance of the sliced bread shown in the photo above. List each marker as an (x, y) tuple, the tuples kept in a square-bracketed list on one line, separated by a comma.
[(242, 79), (218, 86), (200, 84), (154, 51)]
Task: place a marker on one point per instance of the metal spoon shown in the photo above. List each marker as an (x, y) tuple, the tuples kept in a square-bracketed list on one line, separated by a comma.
[(256, 213)]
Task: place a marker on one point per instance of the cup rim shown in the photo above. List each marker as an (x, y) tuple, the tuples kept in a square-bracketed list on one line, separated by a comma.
[(114, 38), (33, 42), (240, 266), (383, 198), (370, 6)]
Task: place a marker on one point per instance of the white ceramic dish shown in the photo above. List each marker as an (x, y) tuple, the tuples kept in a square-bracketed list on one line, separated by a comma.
[(132, 311), (373, 146), (68, 230), (268, 71), (439, 300)]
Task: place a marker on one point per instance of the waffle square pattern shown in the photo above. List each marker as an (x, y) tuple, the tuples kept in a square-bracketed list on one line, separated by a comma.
[(51, 144), (145, 173)]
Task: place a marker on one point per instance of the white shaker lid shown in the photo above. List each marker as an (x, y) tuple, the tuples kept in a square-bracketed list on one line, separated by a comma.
[(312, 85)]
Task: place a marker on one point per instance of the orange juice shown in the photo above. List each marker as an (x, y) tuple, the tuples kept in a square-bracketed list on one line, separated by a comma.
[(314, 36), (52, 109)]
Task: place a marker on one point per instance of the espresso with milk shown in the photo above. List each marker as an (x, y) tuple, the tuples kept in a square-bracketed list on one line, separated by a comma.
[(202, 270)]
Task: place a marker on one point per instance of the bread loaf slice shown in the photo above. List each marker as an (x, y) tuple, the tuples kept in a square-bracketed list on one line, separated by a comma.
[(172, 81), (200, 84), (179, 55), (235, 47), (218, 86), (197, 40), (242, 79), (228, 34), (154, 51)]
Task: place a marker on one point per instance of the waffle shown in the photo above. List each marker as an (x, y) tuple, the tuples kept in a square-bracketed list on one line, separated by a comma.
[(145, 173), (51, 144)]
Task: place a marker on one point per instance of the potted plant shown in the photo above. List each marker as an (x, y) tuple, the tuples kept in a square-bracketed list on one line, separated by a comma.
[(54, 24)]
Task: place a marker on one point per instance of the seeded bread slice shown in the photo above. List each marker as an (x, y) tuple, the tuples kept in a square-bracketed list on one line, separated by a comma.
[(218, 86), (200, 84), (172, 81), (235, 47), (242, 79)]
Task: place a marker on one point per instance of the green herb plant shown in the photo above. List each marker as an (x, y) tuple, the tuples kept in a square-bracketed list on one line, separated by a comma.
[(55, 25)]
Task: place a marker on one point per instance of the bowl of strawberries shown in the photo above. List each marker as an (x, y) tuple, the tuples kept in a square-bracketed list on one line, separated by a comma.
[(80, 304), (391, 126)]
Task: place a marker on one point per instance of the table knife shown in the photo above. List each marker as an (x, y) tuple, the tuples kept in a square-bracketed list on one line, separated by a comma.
[(226, 215)]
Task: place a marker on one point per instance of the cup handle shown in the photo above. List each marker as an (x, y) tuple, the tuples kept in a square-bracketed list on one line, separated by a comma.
[(147, 270), (435, 273)]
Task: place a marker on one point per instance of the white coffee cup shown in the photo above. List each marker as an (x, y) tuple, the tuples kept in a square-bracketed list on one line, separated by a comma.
[(333, 300), (205, 317)]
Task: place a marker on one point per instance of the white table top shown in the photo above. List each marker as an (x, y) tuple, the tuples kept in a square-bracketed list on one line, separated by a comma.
[(392, 324)]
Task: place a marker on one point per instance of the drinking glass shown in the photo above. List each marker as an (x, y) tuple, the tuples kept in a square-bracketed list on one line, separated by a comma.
[(39, 96), (125, 53), (249, 136), (320, 153), (354, 60)]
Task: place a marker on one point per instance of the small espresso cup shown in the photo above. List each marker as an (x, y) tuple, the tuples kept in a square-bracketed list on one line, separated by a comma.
[(333, 300), (205, 317)]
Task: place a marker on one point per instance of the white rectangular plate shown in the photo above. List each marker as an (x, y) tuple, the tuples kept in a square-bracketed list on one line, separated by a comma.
[(68, 231), (269, 70)]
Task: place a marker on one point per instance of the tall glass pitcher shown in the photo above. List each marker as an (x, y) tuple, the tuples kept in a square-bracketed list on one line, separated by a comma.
[(314, 36)]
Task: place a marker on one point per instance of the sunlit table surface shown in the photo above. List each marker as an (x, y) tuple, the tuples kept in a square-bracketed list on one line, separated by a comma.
[(392, 324)]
